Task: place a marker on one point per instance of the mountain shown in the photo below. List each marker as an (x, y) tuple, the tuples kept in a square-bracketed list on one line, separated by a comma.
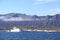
[(19, 19)]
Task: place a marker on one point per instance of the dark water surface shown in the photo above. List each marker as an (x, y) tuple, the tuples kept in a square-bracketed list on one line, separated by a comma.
[(29, 35)]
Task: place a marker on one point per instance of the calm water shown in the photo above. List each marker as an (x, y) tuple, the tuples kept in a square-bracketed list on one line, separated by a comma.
[(29, 36)]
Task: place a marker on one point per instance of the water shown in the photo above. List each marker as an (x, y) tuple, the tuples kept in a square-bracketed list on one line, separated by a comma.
[(29, 35)]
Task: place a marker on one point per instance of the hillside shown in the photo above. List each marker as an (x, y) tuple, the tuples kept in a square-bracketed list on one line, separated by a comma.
[(19, 19)]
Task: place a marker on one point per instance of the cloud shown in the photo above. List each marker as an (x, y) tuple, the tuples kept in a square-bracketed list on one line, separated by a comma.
[(44, 1)]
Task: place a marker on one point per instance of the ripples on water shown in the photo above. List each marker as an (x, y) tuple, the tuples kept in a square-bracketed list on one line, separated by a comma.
[(29, 35)]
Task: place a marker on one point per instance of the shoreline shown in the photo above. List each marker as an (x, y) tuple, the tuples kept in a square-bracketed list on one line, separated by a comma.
[(41, 29)]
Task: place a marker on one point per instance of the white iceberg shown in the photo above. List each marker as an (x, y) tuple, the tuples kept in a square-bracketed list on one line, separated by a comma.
[(14, 30)]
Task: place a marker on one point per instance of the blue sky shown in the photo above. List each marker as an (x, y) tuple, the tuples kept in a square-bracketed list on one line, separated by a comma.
[(30, 7)]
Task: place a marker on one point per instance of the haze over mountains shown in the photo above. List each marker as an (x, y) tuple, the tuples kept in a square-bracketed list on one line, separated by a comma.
[(18, 19)]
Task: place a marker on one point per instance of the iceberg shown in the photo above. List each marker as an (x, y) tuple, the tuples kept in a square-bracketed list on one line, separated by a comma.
[(14, 30)]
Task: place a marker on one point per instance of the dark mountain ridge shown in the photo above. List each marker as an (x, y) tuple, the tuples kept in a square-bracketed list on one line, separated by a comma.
[(18, 19)]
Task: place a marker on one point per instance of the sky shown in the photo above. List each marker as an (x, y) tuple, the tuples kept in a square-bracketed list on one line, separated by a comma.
[(30, 7)]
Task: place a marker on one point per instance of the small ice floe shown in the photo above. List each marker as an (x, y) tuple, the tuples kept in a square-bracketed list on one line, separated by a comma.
[(37, 30), (31, 30), (27, 30), (14, 30), (49, 30), (40, 30)]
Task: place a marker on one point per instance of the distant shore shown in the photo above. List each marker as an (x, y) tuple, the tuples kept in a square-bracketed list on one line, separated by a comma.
[(32, 28)]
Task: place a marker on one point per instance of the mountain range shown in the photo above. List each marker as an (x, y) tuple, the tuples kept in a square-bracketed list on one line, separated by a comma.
[(19, 19)]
